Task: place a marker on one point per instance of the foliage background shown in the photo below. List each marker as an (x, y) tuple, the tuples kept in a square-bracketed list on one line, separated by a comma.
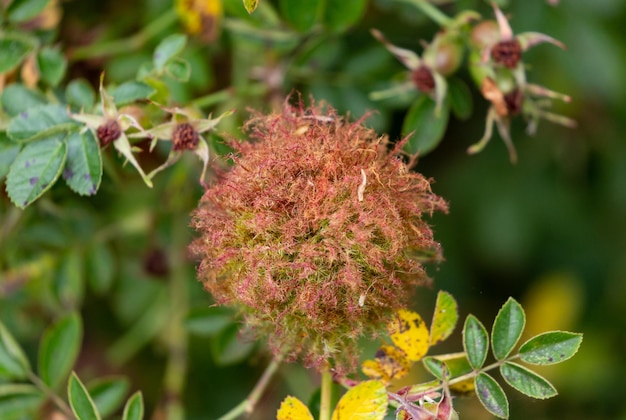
[(549, 231)]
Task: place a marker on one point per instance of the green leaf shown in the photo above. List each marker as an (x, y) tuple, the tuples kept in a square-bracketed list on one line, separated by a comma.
[(35, 169), (250, 5), (13, 361), (491, 395), (130, 92), (178, 69), (81, 402), (301, 15), (23, 10), (168, 49), (13, 50), (52, 65), (40, 122), (460, 98), (17, 98), (507, 328), (526, 381), (68, 285), (550, 348), (456, 364), (100, 267), (83, 168), (80, 94), (108, 393), (19, 401), (341, 14), (133, 410), (475, 341), (426, 128), (209, 321), (444, 319), (227, 348), (59, 348), (8, 152)]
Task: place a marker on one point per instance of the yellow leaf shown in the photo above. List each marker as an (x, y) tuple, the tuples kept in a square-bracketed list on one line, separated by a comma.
[(293, 409), (465, 387), (391, 363), (201, 17), (366, 401), (408, 331), (250, 5), (445, 318)]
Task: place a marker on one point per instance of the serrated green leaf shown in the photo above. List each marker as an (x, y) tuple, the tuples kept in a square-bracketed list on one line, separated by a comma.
[(52, 65), (83, 168), (341, 14), (13, 361), (475, 341), (209, 321), (301, 15), (40, 122), (17, 98), (427, 128), (444, 319), (19, 401), (178, 69), (491, 395), (68, 283), (460, 96), (108, 393), (250, 5), (100, 267), (35, 169), (23, 10), (507, 328), (550, 347), (168, 49), (81, 402), (228, 348), (80, 94), (130, 92), (8, 152), (435, 366), (133, 410), (59, 348), (526, 381), (13, 51)]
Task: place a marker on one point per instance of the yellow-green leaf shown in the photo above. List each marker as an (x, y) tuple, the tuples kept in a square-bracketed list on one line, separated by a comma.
[(367, 400), (444, 319), (201, 18), (390, 363), (408, 331), (293, 409), (250, 5)]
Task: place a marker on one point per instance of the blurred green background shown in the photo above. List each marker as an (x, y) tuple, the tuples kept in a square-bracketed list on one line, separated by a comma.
[(549, 231)]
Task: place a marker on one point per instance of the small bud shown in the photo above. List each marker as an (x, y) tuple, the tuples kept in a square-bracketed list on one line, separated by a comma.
[(423, 79), (108, 132), (508, 53), (185, 137), (485, 34)]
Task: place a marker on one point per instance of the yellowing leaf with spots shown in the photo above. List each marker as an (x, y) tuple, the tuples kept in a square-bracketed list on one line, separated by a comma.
[(250, 5), (408, 332), (366, 401), (293, 409), (201, 17), (445, 318), (390, 363)]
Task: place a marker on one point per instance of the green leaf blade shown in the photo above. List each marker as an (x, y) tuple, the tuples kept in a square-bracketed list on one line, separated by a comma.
[(475, 341), (167, 50), (8, 152), (24, 10), (59, 349), (52, 65), (130, 92), (550, 347), (81, 402), (425, 128), (35, 169), (133, 410), (108, 393), (80, 93), (339, 15), (444, 319), (491, 395), (13, 51), (100, 263), (19, 401), (209, 321), (301, 15), (83, 168), (17, 98), (526, 381), (507, 328), (40, 122), (13, 361)]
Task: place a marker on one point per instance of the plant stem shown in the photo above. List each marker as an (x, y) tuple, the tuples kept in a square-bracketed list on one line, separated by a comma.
[(247, 405), (327, 385), (431, 11), (132, 43), (58, 401), (254, 89)]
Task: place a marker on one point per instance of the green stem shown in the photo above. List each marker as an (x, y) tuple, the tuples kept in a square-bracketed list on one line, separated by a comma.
[(58, 401), (132, 43), (247, 405), (431, 11), (327, 386), (255, 89)]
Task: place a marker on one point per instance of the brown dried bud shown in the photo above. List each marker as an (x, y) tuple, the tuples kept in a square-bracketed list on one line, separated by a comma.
[(423, 79), (108, 132), (508, 53), (185, 137), (514, 100)]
